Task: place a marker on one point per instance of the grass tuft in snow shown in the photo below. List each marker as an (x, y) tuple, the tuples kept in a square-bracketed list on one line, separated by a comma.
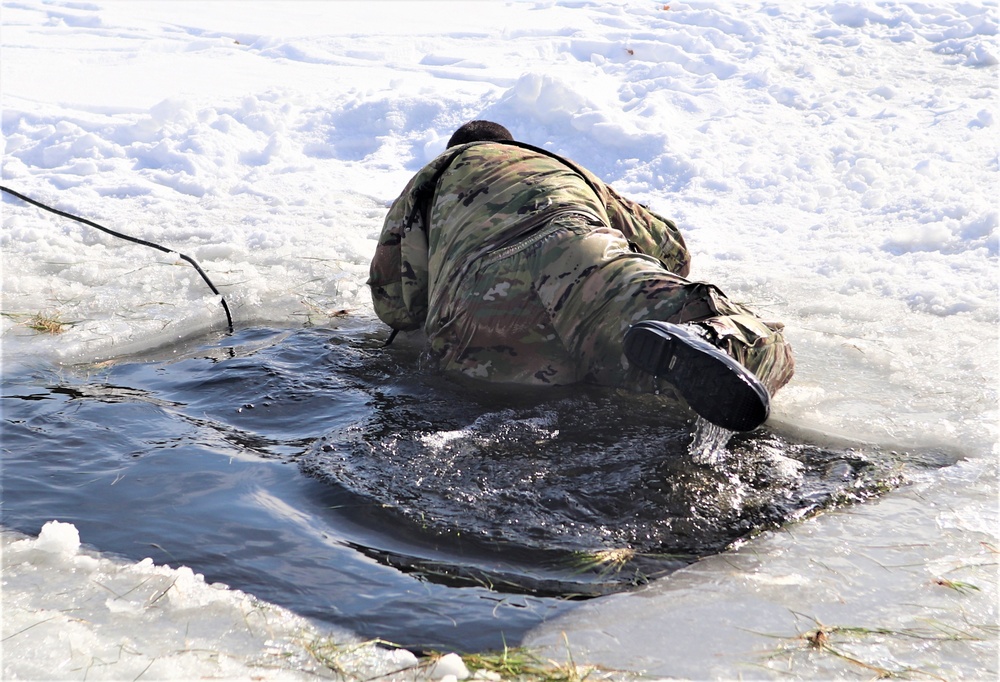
[(844, 641), (521, 664), (41, 322), (512, 664)]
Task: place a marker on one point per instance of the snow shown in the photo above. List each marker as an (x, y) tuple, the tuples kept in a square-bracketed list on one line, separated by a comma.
[(117, 620), (449, 666), (832, 164)]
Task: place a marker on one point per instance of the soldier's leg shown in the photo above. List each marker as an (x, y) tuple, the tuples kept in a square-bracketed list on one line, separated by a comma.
[(758, 345), (594, 288)]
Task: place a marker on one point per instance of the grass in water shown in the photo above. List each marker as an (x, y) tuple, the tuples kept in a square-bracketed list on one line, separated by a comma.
[(606, 561), (611, 563), (315, 310)]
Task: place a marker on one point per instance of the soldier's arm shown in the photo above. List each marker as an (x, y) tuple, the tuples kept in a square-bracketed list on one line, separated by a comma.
[(398, 273), (386, 273)]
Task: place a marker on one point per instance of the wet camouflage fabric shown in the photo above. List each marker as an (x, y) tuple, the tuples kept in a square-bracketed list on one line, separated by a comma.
[(524, 268)]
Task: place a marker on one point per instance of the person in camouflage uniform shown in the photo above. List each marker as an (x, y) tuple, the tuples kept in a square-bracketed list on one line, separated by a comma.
[(521, 266)]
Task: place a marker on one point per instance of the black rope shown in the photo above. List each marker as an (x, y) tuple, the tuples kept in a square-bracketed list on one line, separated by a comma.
[(134, 240)]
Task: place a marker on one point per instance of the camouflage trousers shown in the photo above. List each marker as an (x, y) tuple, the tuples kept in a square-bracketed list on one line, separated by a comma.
[(552, 308)]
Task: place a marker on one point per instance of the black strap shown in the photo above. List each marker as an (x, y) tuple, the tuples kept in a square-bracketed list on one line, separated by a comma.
[(134, 240)]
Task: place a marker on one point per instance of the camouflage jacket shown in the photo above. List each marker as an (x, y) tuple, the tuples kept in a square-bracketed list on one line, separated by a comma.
[(475, 199)]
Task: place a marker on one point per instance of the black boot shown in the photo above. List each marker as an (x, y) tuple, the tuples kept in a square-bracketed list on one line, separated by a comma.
[(717, 387)]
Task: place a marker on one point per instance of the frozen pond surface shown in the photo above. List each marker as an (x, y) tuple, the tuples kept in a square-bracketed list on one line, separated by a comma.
[(834, 166)]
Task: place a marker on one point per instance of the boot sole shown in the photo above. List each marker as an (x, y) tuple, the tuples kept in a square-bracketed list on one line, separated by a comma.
[(713, 384)]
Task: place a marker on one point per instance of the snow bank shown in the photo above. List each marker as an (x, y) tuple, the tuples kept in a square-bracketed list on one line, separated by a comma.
[(71, 614)]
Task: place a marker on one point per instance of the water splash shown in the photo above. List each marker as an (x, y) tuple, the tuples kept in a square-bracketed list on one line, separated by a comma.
[(708, 442)]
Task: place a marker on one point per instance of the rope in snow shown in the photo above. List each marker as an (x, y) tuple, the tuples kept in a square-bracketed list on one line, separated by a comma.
[(134, 240)]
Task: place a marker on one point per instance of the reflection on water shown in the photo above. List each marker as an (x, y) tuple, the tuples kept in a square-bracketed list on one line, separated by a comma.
[(431, 513)]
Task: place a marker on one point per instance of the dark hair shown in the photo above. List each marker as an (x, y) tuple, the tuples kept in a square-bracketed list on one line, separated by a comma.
[(479, 131)]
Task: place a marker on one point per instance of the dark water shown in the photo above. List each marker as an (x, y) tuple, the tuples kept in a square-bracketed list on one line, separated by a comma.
[(316, 470)]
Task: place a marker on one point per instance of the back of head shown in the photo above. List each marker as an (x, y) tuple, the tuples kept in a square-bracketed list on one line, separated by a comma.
[(480, 131)]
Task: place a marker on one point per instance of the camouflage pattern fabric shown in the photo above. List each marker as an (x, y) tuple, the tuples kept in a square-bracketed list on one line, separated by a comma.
[(523, 267)]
